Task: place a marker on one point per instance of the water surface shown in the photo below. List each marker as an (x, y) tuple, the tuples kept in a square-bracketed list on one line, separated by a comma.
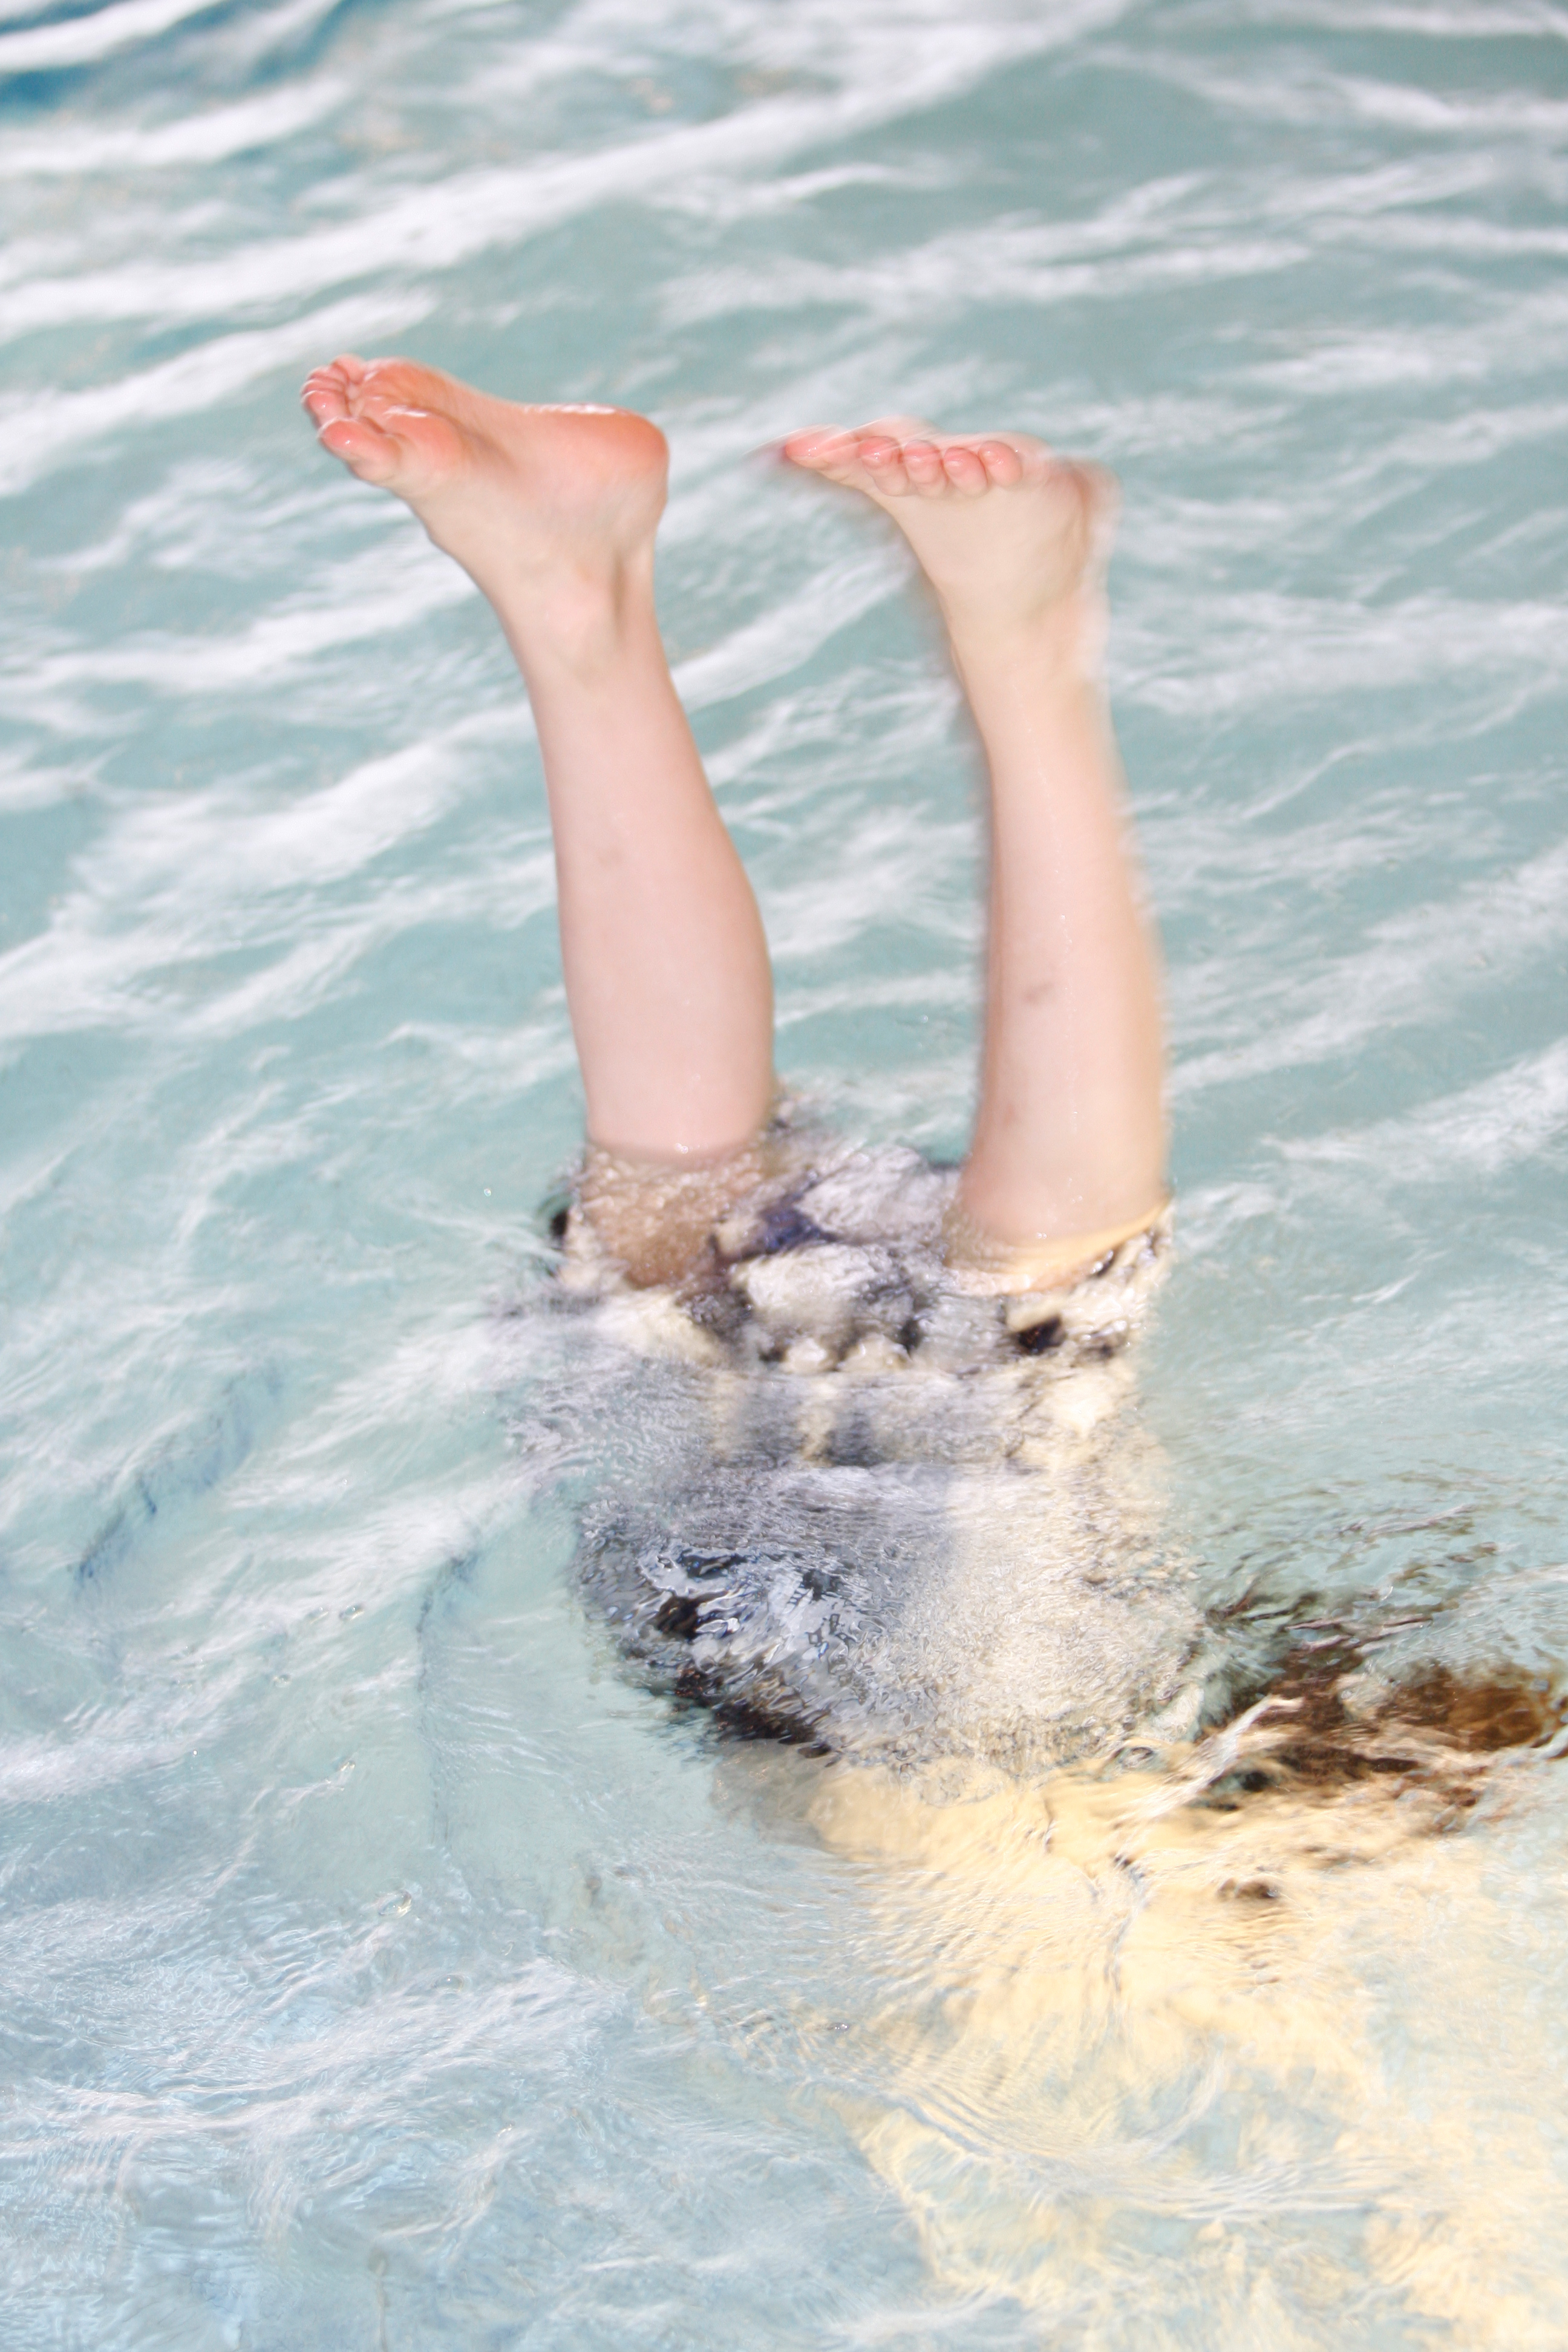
[(384, 1962)]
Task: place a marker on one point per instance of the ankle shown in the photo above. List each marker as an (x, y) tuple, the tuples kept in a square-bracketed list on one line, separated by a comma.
[(1059, 643), (577, 618)]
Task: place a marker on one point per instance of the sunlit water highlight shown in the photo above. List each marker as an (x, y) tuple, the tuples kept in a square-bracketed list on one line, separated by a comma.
[(386, 1960)]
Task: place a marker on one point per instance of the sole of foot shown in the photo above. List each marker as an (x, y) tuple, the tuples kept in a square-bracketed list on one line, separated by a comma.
[(1007, 532), (513, 491)]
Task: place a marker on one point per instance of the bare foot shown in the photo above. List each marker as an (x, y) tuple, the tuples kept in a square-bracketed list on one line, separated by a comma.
[(532, 502), (1009, 535)]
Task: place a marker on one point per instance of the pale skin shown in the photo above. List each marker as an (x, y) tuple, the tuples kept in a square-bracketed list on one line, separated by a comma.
[(552, 513)]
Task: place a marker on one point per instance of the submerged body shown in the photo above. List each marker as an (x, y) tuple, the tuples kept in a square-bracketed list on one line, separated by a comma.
[(1104, 1844), (895, 1512)]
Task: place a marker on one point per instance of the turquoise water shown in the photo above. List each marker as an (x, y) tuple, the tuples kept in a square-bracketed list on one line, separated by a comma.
[(384, 1963)]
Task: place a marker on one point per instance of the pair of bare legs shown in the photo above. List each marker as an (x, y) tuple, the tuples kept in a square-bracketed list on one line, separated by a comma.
[(553, 511)]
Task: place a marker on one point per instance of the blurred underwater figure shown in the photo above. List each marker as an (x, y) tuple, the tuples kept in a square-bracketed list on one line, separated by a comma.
[(1116, 1859)]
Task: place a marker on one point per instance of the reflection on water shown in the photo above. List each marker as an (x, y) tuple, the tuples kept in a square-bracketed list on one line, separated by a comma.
[(1155, 1936)]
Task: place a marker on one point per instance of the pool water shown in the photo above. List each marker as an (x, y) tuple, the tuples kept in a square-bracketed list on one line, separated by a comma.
[(388, 1957)]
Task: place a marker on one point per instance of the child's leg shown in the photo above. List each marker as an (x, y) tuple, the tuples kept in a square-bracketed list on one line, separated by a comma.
[(1070, 1141), (552, 513)]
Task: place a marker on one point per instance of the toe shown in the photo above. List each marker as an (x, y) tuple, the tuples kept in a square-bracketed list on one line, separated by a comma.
[(342, 374), (818, 447), (1002, 465), (966, 471), (884, 462), (923, 462), (320, 401), (364, 450)]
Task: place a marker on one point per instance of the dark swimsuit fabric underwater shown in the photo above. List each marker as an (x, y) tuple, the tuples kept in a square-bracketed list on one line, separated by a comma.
[(883, 1513)]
